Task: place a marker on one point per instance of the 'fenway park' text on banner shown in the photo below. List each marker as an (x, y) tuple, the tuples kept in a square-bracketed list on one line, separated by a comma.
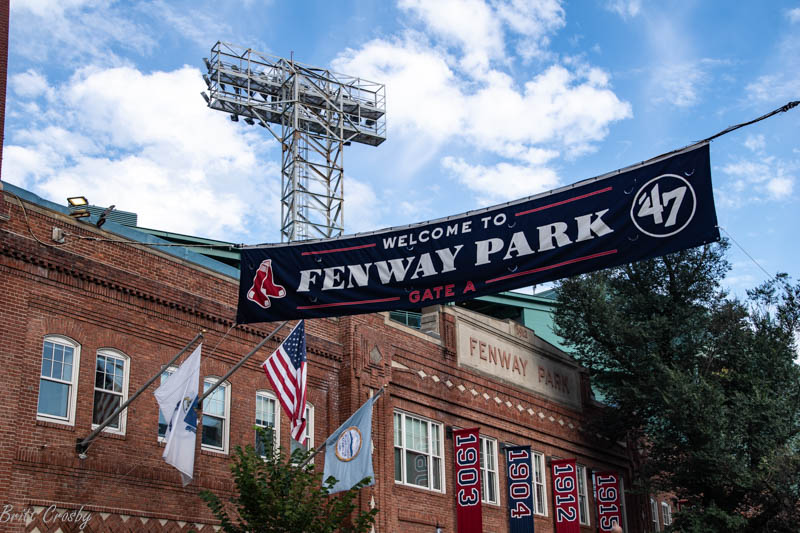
[(653, 209)]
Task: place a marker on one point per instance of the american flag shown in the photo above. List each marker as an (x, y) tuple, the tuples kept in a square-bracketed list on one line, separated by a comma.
[(286, 370)]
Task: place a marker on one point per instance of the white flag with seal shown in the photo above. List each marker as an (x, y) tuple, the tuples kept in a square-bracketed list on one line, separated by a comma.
[(177, 397)]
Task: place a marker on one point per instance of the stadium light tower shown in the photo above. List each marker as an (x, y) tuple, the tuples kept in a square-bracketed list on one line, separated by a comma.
[(319, 113)]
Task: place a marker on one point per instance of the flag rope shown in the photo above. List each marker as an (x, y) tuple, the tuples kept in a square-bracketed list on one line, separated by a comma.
[(325, 442), (235, 367)]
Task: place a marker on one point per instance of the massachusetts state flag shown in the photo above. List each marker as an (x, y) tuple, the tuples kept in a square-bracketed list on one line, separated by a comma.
[(177, 398), (286, 370)]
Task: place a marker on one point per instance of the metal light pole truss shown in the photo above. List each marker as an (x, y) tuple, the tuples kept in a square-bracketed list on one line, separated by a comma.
[(318, 111)]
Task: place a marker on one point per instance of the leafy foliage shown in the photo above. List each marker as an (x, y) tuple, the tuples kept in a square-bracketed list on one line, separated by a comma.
[(705, 386), (275, 495)]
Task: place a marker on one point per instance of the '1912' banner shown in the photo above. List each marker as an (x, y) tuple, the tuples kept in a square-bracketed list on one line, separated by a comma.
[(468, 480), (520, 489), (565, 495), (609, 500), (653, 209)]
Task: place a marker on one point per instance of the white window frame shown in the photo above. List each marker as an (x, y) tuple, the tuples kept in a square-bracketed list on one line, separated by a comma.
[(666, 513), (308, 431), (538, 461), (276, 428), (226, 418), (168, 372), (654, 512), (583, 514), (430, 454), (126, 368), (72, 382), (485, 443)]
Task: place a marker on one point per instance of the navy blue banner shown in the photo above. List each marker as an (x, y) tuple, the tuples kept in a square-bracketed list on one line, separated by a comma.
[(520, 489), (649, 210)]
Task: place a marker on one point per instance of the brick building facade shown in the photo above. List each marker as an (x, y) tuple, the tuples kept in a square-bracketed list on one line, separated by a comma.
[(89, 303)]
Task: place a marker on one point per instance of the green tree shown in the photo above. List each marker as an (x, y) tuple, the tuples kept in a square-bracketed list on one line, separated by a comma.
[(702, 385), (275, 495)]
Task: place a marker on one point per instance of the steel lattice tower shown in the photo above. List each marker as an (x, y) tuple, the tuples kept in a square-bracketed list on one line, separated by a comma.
[(319, 113)]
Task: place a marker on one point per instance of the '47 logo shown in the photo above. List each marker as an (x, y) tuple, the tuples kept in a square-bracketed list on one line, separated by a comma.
[(664, 206)]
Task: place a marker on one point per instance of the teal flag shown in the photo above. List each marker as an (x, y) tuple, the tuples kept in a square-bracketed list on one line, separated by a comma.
[(348, 451)]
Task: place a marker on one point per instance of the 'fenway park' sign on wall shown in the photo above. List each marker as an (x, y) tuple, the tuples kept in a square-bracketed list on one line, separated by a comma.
[(645, 211)]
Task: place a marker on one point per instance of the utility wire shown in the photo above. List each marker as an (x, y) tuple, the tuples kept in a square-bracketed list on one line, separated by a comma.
[(770, 276), (782, 109)]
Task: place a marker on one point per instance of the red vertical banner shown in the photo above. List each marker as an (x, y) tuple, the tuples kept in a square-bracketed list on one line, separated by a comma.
[(565, 495), (468, 480), (609, 500)]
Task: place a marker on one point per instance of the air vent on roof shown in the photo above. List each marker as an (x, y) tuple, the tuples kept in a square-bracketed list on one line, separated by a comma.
[(125, 218)]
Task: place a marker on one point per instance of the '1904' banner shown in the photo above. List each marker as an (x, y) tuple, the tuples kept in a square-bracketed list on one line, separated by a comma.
[(608, 497), (468, 480), (649, 210), (520, 489), (565, 496)]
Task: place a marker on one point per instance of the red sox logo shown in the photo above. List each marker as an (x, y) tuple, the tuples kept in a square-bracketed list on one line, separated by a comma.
[(264, 287)]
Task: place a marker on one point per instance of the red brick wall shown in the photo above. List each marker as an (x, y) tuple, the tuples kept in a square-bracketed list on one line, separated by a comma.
[(147, 305)]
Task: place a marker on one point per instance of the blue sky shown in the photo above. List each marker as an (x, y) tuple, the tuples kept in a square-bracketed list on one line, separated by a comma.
[(487, 101)]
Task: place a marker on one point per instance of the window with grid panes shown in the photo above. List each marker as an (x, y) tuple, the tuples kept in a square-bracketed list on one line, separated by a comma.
[(654, 513), (110, 388), (418, 452), (666, 513), (489, 488), (216, 411), (58, 381), (539, 494), (267, 416)]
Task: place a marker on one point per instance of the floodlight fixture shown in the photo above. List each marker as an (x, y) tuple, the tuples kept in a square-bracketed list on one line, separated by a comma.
[(319, 113), (77, 201)]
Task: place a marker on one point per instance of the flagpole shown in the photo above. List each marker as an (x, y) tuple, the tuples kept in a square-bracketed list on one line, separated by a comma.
[(83, 445), (235, 367), (325, 443)]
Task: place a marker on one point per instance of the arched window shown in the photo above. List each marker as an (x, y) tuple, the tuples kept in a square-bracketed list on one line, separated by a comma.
[(58, 382), (110, 388)]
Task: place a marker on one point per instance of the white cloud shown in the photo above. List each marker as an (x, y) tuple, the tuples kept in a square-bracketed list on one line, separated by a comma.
[(794, 15), (755, 143), (503, 181), (757, 181), (181, 166), (362, 208), (468, 24), (561, 106), (203, 29), (624, 8), (80, 32), (30, 84)]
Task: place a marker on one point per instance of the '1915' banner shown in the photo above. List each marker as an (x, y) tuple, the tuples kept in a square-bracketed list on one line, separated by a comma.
[(645, 211), (608, 496), (520, 489), (565, 495), (468, 480)]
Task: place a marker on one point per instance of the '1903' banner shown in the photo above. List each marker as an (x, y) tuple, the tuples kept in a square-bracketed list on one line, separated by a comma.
[(653, 209), (608, 497), (565, 495), (468, 480), (520, 489)]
